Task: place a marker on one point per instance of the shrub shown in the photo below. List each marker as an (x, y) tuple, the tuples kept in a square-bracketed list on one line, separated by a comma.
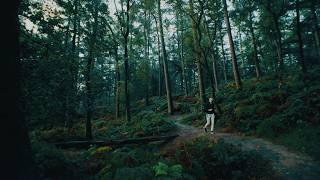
[(163, 170), (205, 159), (51, 162), (133, 173), (303, 139)]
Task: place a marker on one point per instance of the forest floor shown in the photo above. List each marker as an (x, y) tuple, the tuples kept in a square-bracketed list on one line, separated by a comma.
[(289, 165)]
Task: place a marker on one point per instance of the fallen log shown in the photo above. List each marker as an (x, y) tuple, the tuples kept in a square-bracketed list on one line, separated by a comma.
[(85, 144)]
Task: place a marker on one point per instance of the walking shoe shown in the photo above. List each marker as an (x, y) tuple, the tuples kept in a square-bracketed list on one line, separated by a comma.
[(212, 132), (205, 129)]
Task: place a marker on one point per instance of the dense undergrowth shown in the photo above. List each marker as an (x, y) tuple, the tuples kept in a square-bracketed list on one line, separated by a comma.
[(288, 115), (197, 159)]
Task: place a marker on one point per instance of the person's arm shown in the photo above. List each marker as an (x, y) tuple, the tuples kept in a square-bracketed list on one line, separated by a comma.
[(205, 109), (210, 108)]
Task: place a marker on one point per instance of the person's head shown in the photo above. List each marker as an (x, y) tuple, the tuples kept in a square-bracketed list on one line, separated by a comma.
[(210, 99)]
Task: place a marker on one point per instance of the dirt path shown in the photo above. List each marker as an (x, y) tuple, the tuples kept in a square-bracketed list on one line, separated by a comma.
[(288, 164)]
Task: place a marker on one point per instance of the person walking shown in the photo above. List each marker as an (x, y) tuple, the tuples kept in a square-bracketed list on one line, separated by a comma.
[(209, 110)]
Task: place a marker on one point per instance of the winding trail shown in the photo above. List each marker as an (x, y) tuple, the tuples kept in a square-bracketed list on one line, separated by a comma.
[(289, 165)]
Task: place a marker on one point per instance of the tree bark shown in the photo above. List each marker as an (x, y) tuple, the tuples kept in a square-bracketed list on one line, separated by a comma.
[(212, 37), (126, 64), (316, 28), (180, 27), (86, 144), (255, 50), (224, 57), (146, 54), (159, 59), (89, 67), (165, 63), (300, 42), (17, 161), (233, 53), (196, 42), (279, 47), (117, 83), (241, 58)]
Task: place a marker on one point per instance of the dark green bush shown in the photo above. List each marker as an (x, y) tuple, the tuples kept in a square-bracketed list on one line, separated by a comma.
[(303, 139), (133, 173), (51, 162), (145, 123), (205, 159)]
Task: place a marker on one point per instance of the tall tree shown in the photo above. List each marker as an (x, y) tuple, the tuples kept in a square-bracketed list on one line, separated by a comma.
[(159, 57), (89, 67), (114, 37), (300, 43), (276, 9), (146, 49), (316, 26), (17, 161), (180, 38), (126, 64), (255, 47), (195, 24), (224, 63), (165, 61), (232, 50)]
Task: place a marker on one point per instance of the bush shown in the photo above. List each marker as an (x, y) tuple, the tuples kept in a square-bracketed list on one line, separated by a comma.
[(195, 119), (133, 173), (145, 123), (205, 159), (303, 139), (51, 162), (163, 170)]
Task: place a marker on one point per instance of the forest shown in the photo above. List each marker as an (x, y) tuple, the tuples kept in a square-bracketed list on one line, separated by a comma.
[(119, 89)]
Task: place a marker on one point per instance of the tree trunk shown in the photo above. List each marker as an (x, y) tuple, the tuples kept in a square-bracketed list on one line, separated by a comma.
[(159, 59), (117, 83), (233, 53), (279, 47), (212, 37), (196, 42), (300, 43), (146, 55), (215, 74), (224, 57), (165, 65), (180, 36), (316, 28), (183, 65), (126, 64), (241, 58), (17, 161), (71, 101), (86, 144), (89, 67), (255, 50)]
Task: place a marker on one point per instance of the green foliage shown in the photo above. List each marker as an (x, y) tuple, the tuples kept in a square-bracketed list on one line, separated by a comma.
[(262, 108), (194, 119), (51, 162), (205, 159), (303, 139), (162, 169), (136, 160), (145, 123), (133, 173)]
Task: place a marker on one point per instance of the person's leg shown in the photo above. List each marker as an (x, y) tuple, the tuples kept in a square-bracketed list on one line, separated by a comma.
[(212, 122), (208, 122)]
